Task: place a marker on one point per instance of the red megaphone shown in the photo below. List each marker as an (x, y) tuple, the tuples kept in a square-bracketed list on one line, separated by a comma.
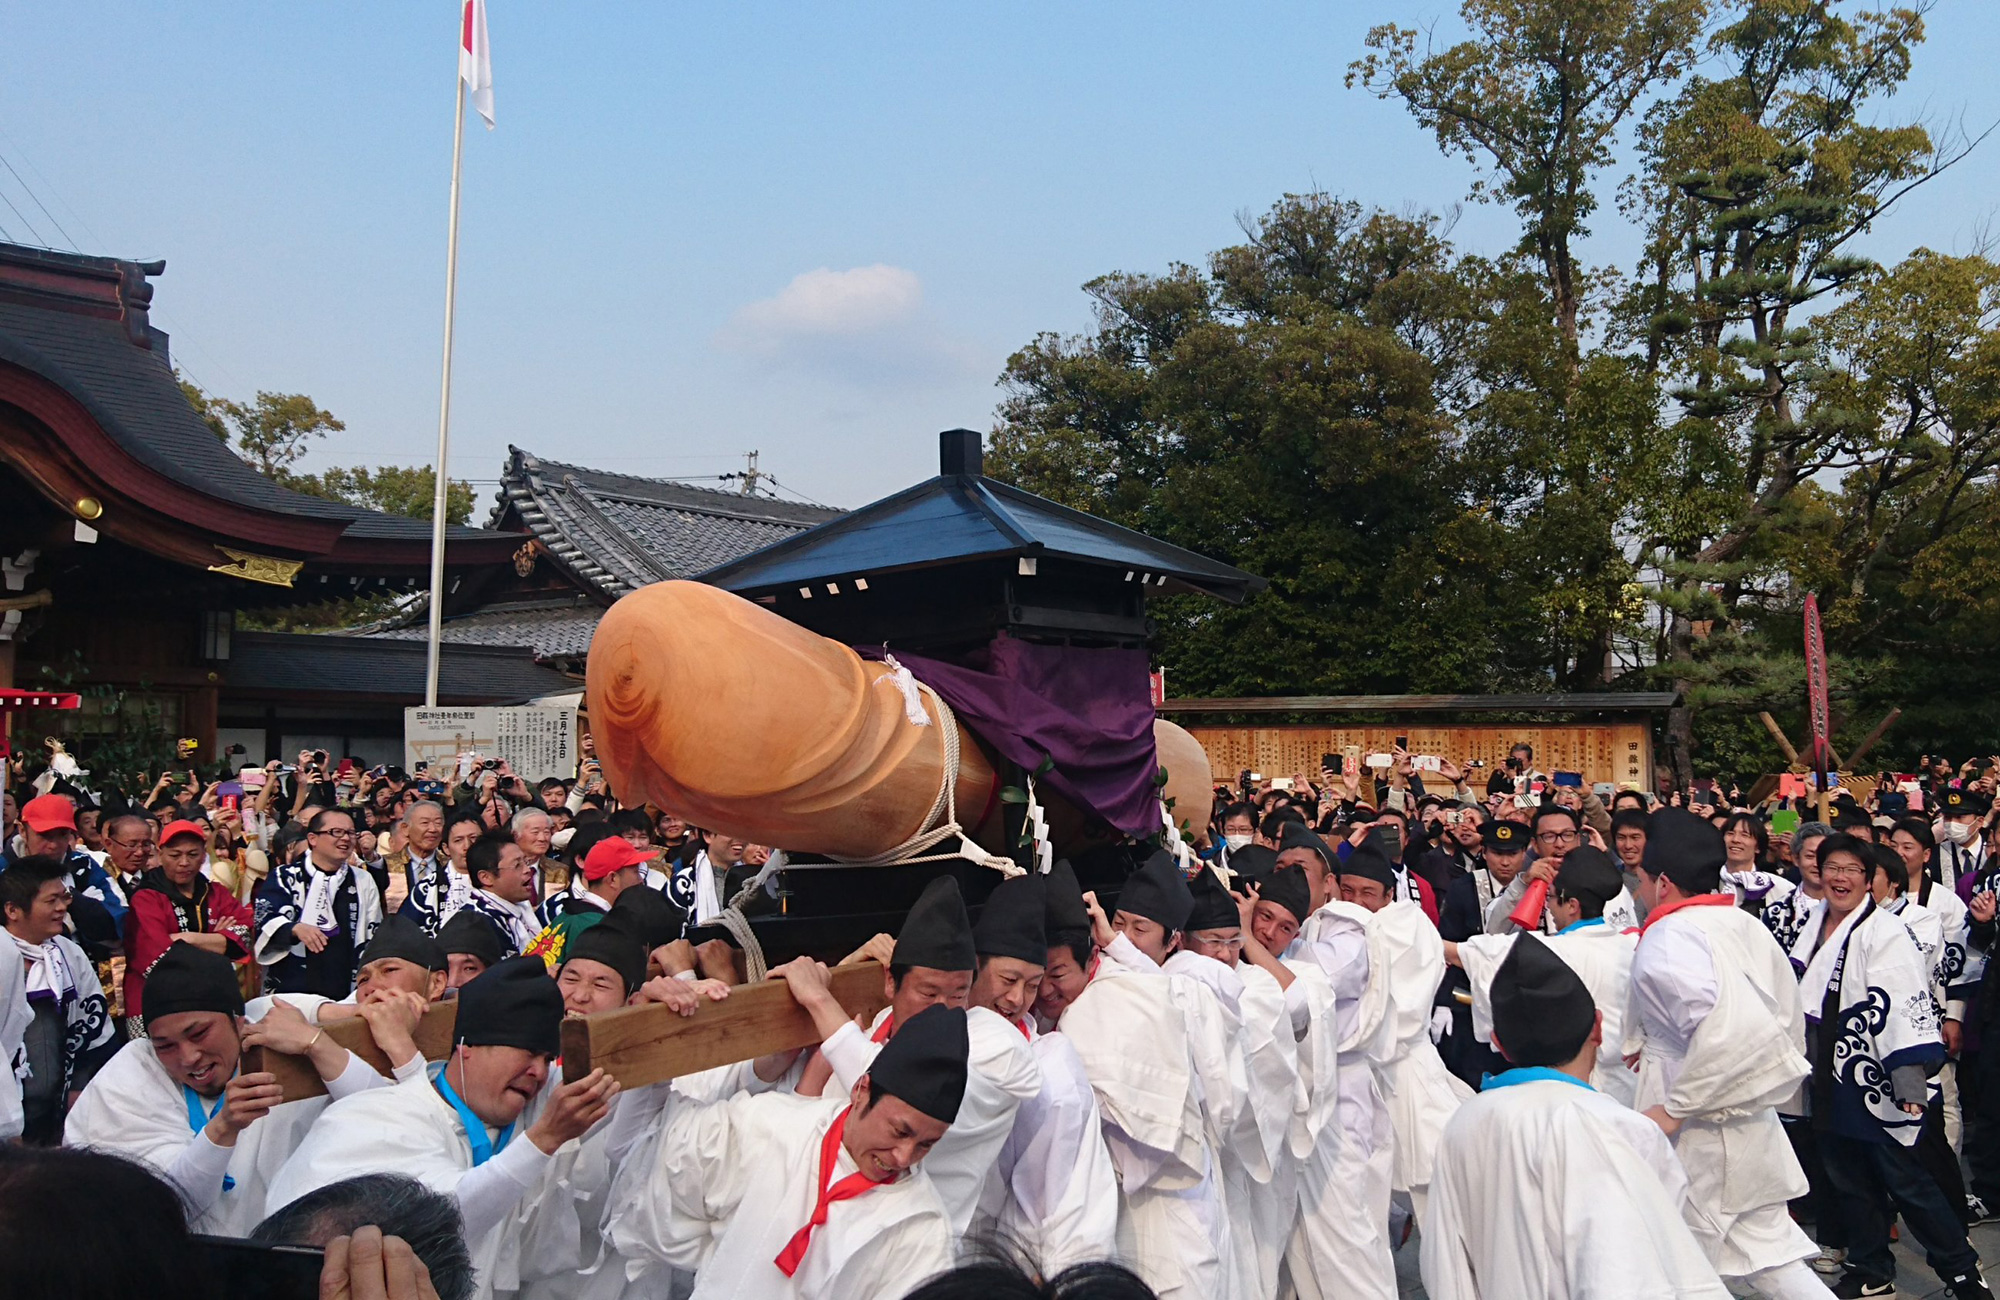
[(1527, 914)]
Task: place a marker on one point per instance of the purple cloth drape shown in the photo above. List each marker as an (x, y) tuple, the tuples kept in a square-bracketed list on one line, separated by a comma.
[(1088, 710)]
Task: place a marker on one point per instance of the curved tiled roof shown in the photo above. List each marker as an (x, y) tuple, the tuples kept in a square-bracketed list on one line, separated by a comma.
[(618, 532), (552, 629)]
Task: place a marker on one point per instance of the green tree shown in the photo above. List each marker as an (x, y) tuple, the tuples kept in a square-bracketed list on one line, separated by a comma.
[(1538, 95), (1755, 185), (276, 431), (1300, 408), (395, 489)]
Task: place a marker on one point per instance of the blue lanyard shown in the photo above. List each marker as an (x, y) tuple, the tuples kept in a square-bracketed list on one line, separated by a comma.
[(483, 1147), (198, 1120), (1578, 925), (1529, 1074)]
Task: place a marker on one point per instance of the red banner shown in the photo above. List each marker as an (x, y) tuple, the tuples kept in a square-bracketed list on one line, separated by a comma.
[(1819, 750)]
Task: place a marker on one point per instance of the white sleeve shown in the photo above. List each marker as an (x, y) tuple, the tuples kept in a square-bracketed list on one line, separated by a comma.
[(850, 1054), (1123, 952), (356, 1076), (198, 1172), (488, 1194)]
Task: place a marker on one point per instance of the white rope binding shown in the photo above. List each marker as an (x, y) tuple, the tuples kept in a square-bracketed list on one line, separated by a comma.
[(940, 824)]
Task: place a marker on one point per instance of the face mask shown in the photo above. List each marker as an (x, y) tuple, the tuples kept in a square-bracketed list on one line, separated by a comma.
[(1236, 842), (1958, 832)]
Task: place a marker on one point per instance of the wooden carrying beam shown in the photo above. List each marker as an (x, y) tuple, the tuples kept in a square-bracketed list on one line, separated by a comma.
[(647, 1044), (298, 1078)]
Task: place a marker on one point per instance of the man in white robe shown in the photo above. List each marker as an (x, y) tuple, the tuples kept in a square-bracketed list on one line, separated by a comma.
[(1600, 955), (1717, 1029), (1340, 1246), (1052, 1191), (564, 1252), (1253, 1136), (1421, 1094), (1544, 1187), (775, 1196), (177, 1101), (457, 1127), (1130, 1027), (933, 961)]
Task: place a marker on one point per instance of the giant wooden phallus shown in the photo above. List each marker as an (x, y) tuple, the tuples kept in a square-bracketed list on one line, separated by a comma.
[(748, 724)]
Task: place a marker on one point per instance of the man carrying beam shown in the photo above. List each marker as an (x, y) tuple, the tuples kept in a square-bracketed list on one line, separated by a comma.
[(178, 1101), (455, 1127), (775, 1196)]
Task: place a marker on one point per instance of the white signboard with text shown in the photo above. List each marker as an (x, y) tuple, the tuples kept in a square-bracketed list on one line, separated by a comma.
[(537, 741)]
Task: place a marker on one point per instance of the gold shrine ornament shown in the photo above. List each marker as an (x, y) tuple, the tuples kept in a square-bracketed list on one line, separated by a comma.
[(267, 569)]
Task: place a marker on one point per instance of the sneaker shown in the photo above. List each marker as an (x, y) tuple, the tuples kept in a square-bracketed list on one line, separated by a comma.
[(1853, 1286), (1976, 1212), (1830, 1261), (1968, 1287)]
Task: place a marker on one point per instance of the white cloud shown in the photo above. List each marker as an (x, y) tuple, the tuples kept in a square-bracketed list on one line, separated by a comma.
[(826, 304), (866, 326)]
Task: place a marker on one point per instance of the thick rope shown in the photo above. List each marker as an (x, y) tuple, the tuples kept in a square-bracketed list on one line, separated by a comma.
[(731, 918), (941, 822)]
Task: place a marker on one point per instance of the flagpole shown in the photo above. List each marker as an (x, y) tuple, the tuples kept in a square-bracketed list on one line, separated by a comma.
[(443, 483)]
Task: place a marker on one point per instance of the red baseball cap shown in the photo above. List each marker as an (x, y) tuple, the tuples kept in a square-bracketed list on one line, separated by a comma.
[(49, 812), (182, 827), (614, 854)]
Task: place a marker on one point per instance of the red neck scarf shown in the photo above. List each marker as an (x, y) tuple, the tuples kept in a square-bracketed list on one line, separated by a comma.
[(1699, 900), (883, 1030), (853, 1185)]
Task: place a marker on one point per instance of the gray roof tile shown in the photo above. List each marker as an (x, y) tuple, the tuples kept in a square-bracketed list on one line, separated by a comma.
[(619, 532)]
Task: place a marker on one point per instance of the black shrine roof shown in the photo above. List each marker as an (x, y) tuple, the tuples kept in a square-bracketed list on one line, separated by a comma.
[(962, 516)]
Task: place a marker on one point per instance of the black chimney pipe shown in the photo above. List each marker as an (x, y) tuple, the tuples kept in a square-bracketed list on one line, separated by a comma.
[(959, 452)]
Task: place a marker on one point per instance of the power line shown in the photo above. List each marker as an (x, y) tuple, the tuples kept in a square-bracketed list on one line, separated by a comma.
[(24, 220), (42, 176), (795, 492), (38, 203)]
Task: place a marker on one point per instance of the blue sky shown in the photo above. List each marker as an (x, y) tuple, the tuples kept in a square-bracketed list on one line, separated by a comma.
[(813, 230)]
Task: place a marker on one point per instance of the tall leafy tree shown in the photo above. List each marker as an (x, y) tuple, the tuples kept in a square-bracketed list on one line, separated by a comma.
[(1757, 185), (1538, 95), (1300, 407), (275, 431)]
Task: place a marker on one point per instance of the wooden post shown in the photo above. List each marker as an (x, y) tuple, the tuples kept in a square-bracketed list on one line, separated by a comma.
[(298, 1078), (1778, 734), (1868, 741), (646, 1044)]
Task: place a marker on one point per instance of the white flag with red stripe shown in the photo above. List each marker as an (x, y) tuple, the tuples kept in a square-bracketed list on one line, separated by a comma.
[(475, 59)]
